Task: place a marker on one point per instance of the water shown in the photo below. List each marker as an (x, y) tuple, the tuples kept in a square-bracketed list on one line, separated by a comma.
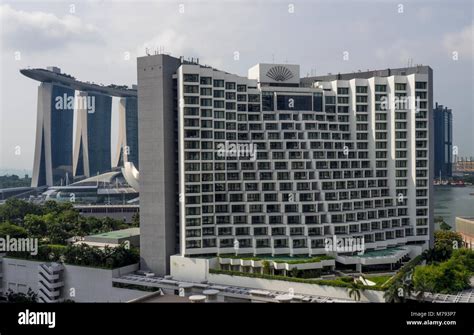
[(450, 202)]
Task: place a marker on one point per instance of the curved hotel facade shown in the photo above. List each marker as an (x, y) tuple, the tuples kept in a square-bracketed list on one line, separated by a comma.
[(57, 160), (271, 164), (53, 154)]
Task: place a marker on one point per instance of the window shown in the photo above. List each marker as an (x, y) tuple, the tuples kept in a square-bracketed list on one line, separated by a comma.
[(420, 85), (380, 88), (218, 83), (318, 102), (294, 102), (206, 81), (230, 86), (400, 87), (361, 89), (191, 78), (342, 90)]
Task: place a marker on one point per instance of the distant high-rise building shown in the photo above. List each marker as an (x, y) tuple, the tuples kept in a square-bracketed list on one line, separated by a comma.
[(275, 164), (54, 127), (55, 162), (443, 141), (127, 147), (93, 127)]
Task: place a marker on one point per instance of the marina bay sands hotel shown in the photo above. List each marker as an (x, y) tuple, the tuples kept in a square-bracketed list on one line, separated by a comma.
[(60, 96)]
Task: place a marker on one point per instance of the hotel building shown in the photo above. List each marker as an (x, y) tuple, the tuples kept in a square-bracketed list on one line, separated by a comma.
[(57, 159), (277, 165)]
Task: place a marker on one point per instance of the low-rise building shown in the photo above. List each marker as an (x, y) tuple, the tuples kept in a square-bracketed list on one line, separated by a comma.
[(465, 227)]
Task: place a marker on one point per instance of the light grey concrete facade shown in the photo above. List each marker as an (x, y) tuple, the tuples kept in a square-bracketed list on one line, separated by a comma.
[(158, 161), (331, 159), (77, 283)]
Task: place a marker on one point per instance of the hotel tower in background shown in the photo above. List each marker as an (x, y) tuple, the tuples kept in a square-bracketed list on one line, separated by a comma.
[(347, 155)]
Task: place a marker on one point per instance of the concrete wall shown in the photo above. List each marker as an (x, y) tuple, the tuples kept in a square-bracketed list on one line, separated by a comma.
[(81, 284), (297, 288), (157, 145), (197, 270), (191, 269)]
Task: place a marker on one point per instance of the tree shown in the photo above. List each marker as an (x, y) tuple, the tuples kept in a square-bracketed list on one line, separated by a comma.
[(35, 225), (8, 229), (14, 210), (354, 291), (392, 294), (136, 220), (266, 267), (444, 226), (295, 272), (447, 277), (18, 297), (445, 243), (465, 257), (57, 232)]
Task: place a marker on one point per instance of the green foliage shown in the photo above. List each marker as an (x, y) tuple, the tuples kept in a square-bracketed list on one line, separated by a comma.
[(54, 222), (445, 243), (46, 253), (29, 297), (83, 255), (354, 290), (294, 272), (444, 226), (347, 279), (450, 276), (14, 210), (266, 267), (400, 286), (465, 257), (14, 181), (7, 228), (136, 220), (108, 257)]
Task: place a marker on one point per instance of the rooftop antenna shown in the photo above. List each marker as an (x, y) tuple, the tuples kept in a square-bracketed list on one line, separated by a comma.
[(147, 52)]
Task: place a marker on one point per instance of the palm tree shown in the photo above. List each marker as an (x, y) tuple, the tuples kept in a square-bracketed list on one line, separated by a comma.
[(420, 294), (407, 286), (354, 291), (392, 294)]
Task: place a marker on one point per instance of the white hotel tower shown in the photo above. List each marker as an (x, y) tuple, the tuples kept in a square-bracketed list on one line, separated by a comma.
[(343, 155)]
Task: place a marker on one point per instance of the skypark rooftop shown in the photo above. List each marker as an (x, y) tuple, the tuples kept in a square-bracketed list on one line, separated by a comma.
[(48, 76)]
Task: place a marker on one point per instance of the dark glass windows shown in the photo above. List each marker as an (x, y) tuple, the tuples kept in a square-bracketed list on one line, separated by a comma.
[(294, 102)]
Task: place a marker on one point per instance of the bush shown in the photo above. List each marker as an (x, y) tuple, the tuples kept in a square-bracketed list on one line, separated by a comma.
[(450, 276), (83, 255), (29, 297), (12, 230)]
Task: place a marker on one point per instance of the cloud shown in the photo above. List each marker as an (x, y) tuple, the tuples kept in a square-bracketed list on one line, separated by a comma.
[(461, 41), (40, 31), (397, 53)]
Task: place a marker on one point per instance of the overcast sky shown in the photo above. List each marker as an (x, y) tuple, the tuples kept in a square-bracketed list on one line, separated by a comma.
[(92, 39)]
